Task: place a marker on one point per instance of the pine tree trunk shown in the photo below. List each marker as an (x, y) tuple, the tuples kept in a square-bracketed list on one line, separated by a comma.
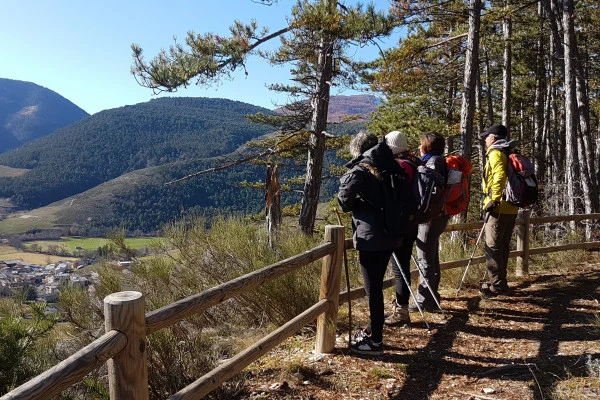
[(586, 150), (480, 121), (272, 202), (507, 71), (470, 85), (540, 83), (571, 159), (316, 145), (488, 94)]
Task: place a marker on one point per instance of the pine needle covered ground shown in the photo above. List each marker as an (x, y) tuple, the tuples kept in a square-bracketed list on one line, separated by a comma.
[(539, 342)]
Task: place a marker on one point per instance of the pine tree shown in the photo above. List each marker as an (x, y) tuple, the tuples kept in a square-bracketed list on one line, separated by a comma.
[(315, 43)]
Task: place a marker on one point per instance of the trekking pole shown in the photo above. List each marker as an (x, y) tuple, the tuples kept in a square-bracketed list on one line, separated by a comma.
[(487, 216), (347, 286), (410, 290), (422, 274)]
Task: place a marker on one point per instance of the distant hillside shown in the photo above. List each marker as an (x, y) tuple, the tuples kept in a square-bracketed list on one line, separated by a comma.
[(110, 169), (29, 111), (341, 107), (140, 201), (113, 142)]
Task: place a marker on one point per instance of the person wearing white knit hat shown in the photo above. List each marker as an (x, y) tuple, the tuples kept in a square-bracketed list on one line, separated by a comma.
[(396, 141)]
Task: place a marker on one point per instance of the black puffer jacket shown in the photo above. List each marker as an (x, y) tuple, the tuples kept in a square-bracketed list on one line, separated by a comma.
[(360, 192)]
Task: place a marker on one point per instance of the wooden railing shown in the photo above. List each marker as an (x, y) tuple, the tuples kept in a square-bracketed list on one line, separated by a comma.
[(123, 346), (522, 227)]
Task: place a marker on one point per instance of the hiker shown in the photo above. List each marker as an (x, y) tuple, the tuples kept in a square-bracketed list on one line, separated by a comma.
[(409, 162), (499, 215), (360, 192), (428, 238), (360, 143)]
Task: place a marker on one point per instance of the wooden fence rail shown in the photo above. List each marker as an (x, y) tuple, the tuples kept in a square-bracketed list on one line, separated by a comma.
[(123, 345)]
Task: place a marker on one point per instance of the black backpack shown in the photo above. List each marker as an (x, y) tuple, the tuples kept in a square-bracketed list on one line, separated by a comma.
[(429, 186), (398, 207), (521, 184), (521, 187)]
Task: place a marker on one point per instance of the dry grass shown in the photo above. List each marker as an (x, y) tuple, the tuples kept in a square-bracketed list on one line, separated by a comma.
[(10, 253), (9, 172)]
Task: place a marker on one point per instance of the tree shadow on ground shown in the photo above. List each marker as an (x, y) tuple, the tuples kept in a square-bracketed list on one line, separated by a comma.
[(541, 310)]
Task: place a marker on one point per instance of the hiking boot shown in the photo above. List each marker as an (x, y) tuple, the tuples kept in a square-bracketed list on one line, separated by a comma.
[(425, 307), (360, 336), (399, 314), (367, 347), (487, 293)]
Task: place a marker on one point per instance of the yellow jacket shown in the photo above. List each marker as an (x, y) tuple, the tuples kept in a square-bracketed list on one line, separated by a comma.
[(494, 180)]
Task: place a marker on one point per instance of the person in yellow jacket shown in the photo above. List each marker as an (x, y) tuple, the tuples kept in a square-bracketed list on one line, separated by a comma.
[(499, 215)]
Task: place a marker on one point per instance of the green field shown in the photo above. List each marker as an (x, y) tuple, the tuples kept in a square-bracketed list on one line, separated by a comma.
[(72, 243), (14, 225)]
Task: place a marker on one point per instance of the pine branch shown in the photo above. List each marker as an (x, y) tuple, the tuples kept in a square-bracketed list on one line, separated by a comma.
[(270, 151)]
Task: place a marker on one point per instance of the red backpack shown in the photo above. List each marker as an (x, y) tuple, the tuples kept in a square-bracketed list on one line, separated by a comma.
[(456, 192)]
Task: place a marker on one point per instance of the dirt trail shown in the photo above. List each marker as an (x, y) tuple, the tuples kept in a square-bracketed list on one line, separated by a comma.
[(539, 342)]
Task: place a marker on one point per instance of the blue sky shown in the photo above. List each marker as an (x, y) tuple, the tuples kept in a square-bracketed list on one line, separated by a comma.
[(81, 49)]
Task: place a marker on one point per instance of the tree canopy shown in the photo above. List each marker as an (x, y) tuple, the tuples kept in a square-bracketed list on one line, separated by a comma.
[(314, 43)]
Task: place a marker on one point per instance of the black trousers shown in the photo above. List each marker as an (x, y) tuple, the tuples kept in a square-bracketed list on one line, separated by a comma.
[(404, 254), (373, 265)]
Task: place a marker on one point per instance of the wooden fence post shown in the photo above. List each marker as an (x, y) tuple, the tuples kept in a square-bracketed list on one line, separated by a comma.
[(330, 289), (524, 218), (127, 371)]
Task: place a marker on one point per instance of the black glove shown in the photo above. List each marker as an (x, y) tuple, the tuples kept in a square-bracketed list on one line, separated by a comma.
[(490, 205)]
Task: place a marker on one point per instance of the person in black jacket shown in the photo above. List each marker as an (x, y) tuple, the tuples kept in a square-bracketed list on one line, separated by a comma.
[(428, 239), (360, 192)]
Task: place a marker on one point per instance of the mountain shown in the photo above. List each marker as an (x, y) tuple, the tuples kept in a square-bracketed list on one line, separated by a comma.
[(341, 107), (140, 201), (29, 111), (111, 169), (113, 142)]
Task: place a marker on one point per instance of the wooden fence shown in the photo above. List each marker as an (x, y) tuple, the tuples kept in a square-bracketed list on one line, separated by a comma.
[(123, 346)]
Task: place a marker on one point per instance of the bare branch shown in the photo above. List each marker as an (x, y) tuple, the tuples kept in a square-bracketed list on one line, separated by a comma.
[(270, 151), (450, 39)]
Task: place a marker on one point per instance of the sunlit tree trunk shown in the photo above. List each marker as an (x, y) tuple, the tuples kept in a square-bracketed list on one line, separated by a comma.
[(540, 83), (507, 71), (451, 94), (571, 159), (488, 92), (586, 153), (316, 145), (480, 121), (272, 202), (471, 64)]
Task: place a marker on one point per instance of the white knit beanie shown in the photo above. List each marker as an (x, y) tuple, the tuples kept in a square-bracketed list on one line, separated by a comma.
[(396, 141)]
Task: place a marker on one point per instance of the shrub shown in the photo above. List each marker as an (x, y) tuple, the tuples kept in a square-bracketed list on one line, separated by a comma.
[(22, 330)]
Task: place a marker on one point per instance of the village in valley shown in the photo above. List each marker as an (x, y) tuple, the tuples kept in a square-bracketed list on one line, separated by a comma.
[(42, 282)]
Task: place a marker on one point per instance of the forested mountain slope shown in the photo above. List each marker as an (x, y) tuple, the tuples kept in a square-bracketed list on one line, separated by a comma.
[(29, 111), (113, 142), (111, 169)]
